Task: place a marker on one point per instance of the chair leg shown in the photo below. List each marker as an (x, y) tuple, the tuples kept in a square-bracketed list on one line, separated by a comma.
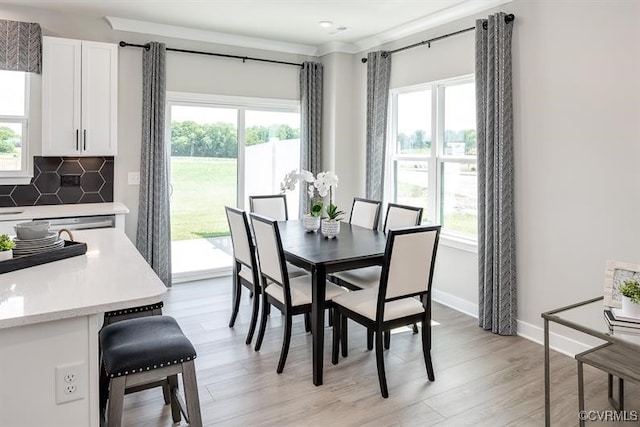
[(173, 390), (580, 392), (415, 328), (254, 319), (335, 348), (380, 362), (331, 316), (286, 341), (237, 289), (191, 394), (263, 322), (387, 339), (344, 335), (166, 392), (103, 388), (116, 401), (307, 322), (426, 350), (369, 339)]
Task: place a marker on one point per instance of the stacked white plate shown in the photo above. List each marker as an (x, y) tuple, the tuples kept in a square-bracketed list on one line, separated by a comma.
[(37, 246)]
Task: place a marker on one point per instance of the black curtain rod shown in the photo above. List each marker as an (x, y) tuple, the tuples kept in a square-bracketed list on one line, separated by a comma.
[(198, 52), (507, 19)]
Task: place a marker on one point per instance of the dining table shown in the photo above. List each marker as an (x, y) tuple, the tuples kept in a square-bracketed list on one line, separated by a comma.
[(353, 247)]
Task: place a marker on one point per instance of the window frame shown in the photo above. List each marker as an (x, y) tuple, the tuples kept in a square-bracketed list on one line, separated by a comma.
[(25, 173), (436, 160)]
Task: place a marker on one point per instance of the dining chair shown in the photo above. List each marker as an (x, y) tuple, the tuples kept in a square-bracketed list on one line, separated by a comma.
[(365, 213), (407, 272), (369, 277), (245, 272), (274, 206), (271, 205), (291, 296)]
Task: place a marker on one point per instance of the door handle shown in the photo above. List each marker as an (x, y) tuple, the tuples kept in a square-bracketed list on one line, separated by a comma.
[(84, 147), (77, 135)]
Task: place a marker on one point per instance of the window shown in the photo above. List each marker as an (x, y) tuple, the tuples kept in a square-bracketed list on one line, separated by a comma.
[(432, 154), (14, 116)]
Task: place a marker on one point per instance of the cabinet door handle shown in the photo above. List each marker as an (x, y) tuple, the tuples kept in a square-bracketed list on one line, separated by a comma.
[(84, 147), (77, 135)]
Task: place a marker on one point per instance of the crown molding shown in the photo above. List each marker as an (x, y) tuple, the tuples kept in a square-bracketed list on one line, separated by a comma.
[(145, 27), (337, 47), (442, 17)]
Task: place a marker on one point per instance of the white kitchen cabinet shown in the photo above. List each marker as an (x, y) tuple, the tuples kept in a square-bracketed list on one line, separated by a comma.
[(79, 97)]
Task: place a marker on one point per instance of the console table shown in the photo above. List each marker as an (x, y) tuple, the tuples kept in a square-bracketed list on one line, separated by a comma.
[(586, 317)]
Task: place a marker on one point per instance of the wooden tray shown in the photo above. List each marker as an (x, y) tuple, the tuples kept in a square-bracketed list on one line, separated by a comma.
[(70, 249)]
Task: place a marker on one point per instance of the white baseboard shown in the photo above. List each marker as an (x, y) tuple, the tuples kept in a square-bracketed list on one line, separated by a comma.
[(557, 342), (457, 303)]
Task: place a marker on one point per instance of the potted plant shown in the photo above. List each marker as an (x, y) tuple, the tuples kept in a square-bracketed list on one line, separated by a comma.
[(630, 291), (325, 183), (6, 247)]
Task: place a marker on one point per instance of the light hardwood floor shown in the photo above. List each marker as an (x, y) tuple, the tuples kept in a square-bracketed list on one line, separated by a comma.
[(481, 379)]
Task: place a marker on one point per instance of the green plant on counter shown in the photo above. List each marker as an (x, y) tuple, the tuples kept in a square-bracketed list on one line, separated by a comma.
[(631, 289), (6, 243)]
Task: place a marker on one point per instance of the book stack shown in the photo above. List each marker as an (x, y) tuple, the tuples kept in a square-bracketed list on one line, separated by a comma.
[(621, 324)]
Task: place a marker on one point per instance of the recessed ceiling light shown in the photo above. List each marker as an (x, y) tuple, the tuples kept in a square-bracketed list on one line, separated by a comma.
[(325, 24)]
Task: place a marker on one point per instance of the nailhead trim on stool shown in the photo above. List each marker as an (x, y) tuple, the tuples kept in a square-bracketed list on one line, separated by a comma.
[(134, 309)]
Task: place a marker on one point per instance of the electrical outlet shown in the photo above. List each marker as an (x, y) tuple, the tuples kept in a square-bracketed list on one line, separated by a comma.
[(70, 382)]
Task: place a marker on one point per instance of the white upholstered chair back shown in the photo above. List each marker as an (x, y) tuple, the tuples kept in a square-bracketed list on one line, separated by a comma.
[(268, 247), (411, 256), (239, 227), (402, 216), (365, 213), (272, 206)]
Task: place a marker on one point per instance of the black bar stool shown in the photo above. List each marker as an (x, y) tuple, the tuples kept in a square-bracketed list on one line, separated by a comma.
[(147, 349)]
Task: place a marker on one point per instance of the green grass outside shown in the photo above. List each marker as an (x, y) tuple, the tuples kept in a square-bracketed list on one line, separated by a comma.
[(202, 186)]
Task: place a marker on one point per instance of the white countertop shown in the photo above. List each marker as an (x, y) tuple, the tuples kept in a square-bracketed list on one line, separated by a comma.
[(112, 275), (62, 211)]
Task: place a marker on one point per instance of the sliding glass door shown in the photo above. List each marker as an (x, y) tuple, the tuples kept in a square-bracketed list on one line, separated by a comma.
[(222, 151)]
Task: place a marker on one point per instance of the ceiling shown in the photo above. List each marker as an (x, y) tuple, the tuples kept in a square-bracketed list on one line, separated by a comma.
[(290, 25)]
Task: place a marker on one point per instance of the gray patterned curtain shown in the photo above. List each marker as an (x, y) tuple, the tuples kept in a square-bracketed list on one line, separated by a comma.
[(20, 46), (154, 234), (311, 117), (378, 76), (496, 230)]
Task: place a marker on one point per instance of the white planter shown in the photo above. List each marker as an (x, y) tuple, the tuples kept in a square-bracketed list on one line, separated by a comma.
[(629, 308), (5, 255), (311, 223), (330, 228)]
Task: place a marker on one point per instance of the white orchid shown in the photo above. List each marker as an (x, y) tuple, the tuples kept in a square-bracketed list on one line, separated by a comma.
[(323, 184)]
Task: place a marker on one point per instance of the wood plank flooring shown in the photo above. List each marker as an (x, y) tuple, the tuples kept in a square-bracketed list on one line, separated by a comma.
[(481, 379)]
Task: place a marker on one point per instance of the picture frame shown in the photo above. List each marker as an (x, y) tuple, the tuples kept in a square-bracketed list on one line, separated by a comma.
[(616, 274)]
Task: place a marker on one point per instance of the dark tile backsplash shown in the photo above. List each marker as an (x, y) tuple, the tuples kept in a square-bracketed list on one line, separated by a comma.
[(95, 179)]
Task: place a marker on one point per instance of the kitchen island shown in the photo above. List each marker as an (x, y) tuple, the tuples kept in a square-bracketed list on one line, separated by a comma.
[(50, 316)]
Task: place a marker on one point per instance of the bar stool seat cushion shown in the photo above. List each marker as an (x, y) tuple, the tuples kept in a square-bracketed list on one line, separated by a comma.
[(143, 344)]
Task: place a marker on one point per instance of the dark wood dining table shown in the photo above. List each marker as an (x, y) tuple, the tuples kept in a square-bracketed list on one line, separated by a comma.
[(354, 247)]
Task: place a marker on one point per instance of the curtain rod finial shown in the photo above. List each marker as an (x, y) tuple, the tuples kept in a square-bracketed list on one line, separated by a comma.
[(123, 44), (364, 60)]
